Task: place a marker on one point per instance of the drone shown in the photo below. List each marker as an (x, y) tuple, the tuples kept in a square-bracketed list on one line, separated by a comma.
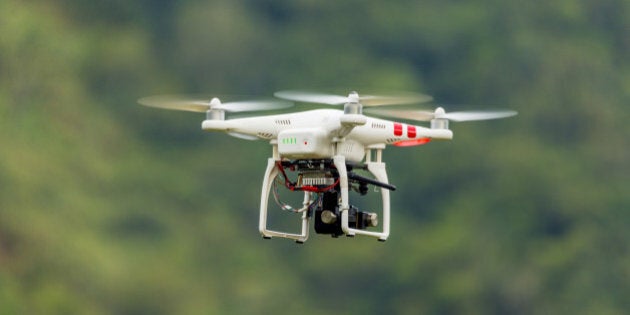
[(327, 153)]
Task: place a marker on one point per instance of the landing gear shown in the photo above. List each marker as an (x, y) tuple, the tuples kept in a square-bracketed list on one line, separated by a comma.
[(326, 184)]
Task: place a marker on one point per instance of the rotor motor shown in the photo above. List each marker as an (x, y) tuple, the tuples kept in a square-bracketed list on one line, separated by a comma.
[(439, 122), (215, 114), (353, 106)]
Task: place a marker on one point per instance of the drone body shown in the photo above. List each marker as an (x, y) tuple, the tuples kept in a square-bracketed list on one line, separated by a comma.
[(324, 133), (325, 147)]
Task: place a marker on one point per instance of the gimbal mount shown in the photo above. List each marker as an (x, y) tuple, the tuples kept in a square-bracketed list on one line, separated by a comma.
[(326, 184)]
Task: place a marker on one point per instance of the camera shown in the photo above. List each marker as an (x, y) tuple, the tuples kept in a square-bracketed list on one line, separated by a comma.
[(328, 216)]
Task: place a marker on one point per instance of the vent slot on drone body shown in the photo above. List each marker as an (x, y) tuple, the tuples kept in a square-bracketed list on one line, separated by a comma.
[(348, 148), (283, 122), (265, 135), (376, 125), (392, 140)]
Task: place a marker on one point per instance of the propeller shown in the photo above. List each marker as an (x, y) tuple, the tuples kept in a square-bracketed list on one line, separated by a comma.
[(353, 97), (198, 104), (440, 113)]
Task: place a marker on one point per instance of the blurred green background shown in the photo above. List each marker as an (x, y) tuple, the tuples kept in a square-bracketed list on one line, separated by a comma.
[(107, 207)]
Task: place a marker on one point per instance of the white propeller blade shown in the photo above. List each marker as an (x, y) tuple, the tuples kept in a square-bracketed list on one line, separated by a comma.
[(353, 97), (248, 106), (312, 97), (419, 115), (198, 104), (439, 113), (479, 115)]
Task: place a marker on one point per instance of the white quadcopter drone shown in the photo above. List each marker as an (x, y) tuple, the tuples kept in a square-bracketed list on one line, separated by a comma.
[(325, 147)]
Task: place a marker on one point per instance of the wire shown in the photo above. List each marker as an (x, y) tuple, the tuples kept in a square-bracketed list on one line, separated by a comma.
[(308, 202), (310, 190), (292, 186)]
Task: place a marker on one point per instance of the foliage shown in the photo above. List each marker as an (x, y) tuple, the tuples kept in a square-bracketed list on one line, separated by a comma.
[(110, 208)]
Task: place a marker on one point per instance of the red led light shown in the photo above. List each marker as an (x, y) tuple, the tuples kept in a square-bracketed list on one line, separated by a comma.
[(411, 143), (411, 131), (398, 129)]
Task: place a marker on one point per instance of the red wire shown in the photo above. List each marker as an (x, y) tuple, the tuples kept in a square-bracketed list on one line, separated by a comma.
[(287, 183), (320, 190)]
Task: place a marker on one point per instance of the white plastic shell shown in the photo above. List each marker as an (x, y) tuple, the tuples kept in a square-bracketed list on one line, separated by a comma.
[(305, 143), (353, 150)]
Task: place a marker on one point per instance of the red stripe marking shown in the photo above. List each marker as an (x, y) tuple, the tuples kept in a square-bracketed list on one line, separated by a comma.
[(398, 129), (411, 143), (411, 131)]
